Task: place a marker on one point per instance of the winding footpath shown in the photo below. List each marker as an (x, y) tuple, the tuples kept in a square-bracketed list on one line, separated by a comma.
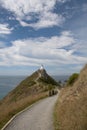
[(37, 117)]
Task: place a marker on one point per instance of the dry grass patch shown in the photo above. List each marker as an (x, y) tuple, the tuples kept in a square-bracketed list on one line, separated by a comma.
[(71, 113), (71, 107), (8, 110)]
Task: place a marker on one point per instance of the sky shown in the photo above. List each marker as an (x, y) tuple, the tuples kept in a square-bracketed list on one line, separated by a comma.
[(48, 32)]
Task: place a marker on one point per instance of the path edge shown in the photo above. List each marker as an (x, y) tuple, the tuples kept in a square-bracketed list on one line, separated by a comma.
[(3, 128)]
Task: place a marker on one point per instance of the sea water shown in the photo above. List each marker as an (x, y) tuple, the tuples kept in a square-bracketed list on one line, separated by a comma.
[(8, 83)]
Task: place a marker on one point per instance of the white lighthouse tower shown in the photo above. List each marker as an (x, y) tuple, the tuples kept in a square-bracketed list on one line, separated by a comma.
[(41, 68)]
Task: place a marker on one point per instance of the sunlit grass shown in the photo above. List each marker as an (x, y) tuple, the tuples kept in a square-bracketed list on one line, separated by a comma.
[(71, 107), (7, 111)]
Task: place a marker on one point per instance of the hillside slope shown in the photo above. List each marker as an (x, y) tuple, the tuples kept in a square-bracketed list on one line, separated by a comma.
[(71, 109), (38, 82), (28, 91)]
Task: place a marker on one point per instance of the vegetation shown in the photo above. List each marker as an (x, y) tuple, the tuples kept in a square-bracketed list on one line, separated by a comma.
[(48, 80), (7, 111), (30, 90), (71, 108), (72, 79)]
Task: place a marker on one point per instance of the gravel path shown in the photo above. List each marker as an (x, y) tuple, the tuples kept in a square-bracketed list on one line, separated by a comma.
[(38, 117)]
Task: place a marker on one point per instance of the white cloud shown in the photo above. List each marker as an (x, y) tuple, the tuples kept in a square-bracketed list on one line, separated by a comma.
[(5, 29), (81, 48), (29, 9), (62, 1), (48, 19), (48, 51)]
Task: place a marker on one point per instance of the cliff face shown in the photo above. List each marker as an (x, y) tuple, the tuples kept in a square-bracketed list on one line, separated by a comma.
[(71, 109)]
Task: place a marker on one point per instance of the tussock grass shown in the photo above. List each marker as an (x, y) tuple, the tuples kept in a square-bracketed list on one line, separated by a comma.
[(71, 107), (8, 110)]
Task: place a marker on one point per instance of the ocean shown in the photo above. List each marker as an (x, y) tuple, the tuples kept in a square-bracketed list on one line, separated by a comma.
[(8, 83)]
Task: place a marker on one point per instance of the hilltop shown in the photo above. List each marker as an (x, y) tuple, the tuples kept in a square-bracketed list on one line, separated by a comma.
[(71, 109), (31, 89), (38, 82)]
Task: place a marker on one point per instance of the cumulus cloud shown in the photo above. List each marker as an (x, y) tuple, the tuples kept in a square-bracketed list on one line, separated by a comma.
[(5, 29), (47, 20), (42, 10), (47, 51)]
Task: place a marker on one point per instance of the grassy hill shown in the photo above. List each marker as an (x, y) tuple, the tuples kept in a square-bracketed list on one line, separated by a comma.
[(30, 90), (71, 108)]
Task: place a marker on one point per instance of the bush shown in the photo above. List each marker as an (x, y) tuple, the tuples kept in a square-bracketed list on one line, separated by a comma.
[(72, 79)]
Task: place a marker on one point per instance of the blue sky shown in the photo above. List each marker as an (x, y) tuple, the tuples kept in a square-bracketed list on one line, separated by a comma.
[(48, 32)]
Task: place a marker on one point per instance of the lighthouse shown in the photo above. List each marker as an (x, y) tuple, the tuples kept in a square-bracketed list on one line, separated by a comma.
[(41, 68)]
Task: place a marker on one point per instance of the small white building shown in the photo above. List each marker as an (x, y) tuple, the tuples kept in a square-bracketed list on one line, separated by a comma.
[(41, 68)]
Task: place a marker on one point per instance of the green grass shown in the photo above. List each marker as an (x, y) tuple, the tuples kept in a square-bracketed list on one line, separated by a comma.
[(72, 79), (48, 80)]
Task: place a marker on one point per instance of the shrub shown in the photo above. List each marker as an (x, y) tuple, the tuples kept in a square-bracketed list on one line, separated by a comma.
[(72, 79)]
